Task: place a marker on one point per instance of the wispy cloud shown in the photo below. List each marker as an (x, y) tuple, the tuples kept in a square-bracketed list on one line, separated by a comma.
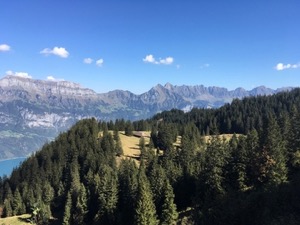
[(151, 59), (18, 74), (281, 66), (51, 78), (88, 60), (4, 48), (99, 62), (206, 65), (58, 51)]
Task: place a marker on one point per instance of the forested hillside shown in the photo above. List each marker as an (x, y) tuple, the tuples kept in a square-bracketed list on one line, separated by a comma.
[(33, 112), (254, 178)]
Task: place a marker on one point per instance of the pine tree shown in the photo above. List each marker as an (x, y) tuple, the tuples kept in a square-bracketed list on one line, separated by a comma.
[(128, 128), (215, 160), (80, 209), (189, 144), (166, 136), (169, 213), (128, 180), (274, 148), (67, 210), (293, 141), (237, 177), (106, 185), (142, 146), (254, 155), (145, 213), (17, 203), (47, 197), (7, 209), (157, 178), (118, 147)]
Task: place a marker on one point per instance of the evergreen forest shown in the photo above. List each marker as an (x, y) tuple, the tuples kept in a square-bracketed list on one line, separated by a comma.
[(253, 177)]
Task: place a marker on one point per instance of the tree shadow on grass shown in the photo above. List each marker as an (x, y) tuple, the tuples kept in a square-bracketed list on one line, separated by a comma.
[(25, 219)]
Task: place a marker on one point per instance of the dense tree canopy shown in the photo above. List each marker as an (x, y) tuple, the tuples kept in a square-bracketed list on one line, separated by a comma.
[(250, 177)]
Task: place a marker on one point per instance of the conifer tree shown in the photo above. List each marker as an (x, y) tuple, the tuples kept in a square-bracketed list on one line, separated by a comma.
[(157, 179), (80, 210), (254, 153), (128, 180), (165, 137), (215, 160), (293, 139), (237, 177), (142, 146), (106, 184), (190, 142), (118, 147), (7, 209), (47, 197), (145, 213), (17, 203), (67, 210), (275, 161), (128, 128), (169, 213), (118, 144)]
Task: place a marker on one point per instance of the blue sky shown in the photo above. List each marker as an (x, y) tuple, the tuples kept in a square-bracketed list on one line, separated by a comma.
[(134, 45)]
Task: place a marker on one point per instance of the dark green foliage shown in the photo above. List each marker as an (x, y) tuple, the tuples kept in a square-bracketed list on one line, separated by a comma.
[(169, 212), (164, 136), (253, 178), (67, 210), (118, 144), (106, 193), (238, 165), (128, 180), (17, 203), (145, 212), (128, 128), (216, 156), (273, 155)]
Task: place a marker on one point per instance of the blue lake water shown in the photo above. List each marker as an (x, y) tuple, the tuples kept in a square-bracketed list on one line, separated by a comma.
[(7, 166)]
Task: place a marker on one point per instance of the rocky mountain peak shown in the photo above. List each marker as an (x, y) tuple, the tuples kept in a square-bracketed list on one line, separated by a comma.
[(168, 86), (35, 111), (44, 88)]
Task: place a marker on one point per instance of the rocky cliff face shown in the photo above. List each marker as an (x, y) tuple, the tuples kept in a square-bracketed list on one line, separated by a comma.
[(35, 111)]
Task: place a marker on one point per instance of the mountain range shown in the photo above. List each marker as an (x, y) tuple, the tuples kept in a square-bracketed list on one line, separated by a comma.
[(33, 112)]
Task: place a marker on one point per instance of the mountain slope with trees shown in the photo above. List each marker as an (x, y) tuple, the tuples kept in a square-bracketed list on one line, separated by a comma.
[(253, 178), (36, 111)]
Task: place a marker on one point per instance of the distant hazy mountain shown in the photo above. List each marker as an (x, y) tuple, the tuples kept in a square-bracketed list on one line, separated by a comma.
[(35, 111)]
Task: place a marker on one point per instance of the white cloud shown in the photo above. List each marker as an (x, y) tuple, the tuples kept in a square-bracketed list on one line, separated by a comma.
[(4, 48), (281, 66), (51, 78), (59, 51), (88, 60), (18, 74), (151, 59), (9, 72), (99, 62), (167, 61)]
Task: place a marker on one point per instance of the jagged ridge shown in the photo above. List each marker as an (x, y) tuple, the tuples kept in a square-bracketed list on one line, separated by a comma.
[(35, 111)]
